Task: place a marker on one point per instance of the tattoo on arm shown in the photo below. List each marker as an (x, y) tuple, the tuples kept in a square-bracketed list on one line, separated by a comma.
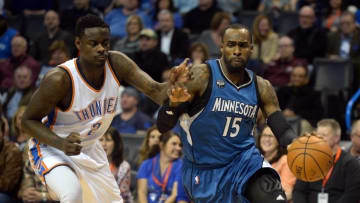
[(199, 80), (268, 97)]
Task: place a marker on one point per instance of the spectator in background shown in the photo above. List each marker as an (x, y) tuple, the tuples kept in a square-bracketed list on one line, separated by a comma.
[(59, 53), (343, 184), (166, 5), (299, 99), (354, 148), (265, 40), (309, 40), (70, 16), (18, 135), (117, 17), (199, 18), (172, 41), (10, 167), (20, 93), (130, 43), (153, 62), (212, 37), (276, 156), (6, 36), (333, 14), (230, 6), (19, 58), (40, 48), (345, 44), (274, 5), (131, 120), (28, 8), (199, 53), (278, 71), (184, 6), (152, 138), (31, 188), (120, 168), (164, 159), (149, 57)]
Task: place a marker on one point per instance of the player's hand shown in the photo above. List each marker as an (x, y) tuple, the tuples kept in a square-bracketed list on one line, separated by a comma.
[(72, 144), (178, 94), (181, 73)]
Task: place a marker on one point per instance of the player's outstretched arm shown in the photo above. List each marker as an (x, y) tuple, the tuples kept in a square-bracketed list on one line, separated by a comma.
[(52, 91), (127, 70), (271, 109), (170, 112)]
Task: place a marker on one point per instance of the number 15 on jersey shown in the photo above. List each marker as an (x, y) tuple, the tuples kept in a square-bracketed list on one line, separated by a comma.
[(235, 124)]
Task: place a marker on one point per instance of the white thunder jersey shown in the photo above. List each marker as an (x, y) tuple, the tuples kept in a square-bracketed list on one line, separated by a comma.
[(91, 111), (90, 114)]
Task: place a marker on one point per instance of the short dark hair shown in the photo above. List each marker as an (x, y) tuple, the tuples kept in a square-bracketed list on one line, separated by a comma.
[(89, 21), (237, 27)]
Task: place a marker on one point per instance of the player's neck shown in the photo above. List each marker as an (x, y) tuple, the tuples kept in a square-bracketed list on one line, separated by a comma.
[(238, 77)]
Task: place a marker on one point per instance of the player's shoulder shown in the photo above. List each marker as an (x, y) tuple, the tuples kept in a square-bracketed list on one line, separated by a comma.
[(58, 77), (262, 83), (200, 71)]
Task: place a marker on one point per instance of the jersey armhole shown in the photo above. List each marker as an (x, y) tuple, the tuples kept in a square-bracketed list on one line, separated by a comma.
[(257, 92), (67, 71), (115, 74), (201, 101)]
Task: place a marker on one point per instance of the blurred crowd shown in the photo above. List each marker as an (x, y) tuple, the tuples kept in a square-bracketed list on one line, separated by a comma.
[(291, 39)]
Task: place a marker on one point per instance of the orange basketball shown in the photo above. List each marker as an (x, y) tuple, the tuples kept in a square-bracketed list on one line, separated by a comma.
[(310, 158)]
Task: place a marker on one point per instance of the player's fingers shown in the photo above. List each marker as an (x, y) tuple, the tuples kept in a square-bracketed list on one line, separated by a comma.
[(74, 137)]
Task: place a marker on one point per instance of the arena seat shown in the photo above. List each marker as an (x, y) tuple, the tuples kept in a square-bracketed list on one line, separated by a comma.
[(333, 78), (132, 144), (287, 21), (247, 18)]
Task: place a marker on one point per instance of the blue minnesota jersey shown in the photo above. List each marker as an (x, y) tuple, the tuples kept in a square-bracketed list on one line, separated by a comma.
[(223, 129)]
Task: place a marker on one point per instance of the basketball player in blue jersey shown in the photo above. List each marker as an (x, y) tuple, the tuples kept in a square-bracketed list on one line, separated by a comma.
[(74, 106), (221, 162)]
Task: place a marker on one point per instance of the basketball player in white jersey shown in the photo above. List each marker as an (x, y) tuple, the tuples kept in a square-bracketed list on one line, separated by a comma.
[(74, 106)]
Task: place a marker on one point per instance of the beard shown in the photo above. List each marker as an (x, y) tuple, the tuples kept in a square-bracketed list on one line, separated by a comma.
[(233, 69)]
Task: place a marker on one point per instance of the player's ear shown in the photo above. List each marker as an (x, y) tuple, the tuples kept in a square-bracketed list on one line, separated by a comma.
[(77, 42)]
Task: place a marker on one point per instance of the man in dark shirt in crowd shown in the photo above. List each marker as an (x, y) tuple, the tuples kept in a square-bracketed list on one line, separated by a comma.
[(40, 48), (299, 99), (173, 42), (131, 120), (80, 8), (199, 18), (149, 57), (309, 40), (343, 184), (278, 71)]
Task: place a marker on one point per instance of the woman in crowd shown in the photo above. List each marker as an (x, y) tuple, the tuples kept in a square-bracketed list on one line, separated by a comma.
[(265, 40), (130, 43), (276, 156), (113, 146), (159, 177), (152, 138), (199, 53), (212, 38), (333, 13)]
